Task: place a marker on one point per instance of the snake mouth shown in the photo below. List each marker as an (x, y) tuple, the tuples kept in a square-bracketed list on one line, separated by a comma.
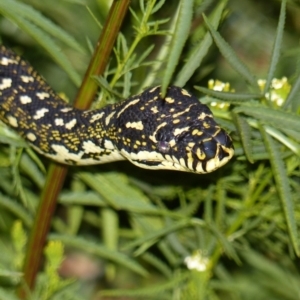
[(204, 158), (195, 165)]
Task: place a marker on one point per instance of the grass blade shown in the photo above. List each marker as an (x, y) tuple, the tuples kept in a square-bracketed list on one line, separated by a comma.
[(244, 131), (293, 98), (47, 43), (277, 46), (283, 188), (228, 96), (180, 36), (25, 11), (199, 52), (230, 55), (102, 251), (277, 118)]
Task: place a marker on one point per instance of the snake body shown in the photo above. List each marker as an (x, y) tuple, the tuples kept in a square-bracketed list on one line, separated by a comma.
[(176, 132)]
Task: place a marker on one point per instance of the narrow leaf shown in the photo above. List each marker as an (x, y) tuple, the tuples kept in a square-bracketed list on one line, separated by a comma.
[(229, 96), (45, 41), (293, 98), (244, 131), (23, 10), (277, 46), (276, 117), (196, 56), (180, 36), (115, 189), (283, 188), (101, 251), (16, 209), (158, 234), (230, 55)]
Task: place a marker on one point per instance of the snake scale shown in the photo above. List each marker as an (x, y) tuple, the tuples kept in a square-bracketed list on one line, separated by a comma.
[(176, 132)]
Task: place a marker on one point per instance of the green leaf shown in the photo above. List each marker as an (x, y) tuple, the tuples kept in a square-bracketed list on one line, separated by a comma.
[(181, 33), (230, 55), (228, 96), (16, 209), (244, 131), (277, 47), (200, 50), (157, 291), (283, 188), (101, 251), (6, 295), (115, 189), (277, 118), (25, 11), (44, 40), (151, 237), (293, 98), (82, 198)]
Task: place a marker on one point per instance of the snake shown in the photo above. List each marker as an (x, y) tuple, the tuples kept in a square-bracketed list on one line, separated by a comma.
[(174, 132)]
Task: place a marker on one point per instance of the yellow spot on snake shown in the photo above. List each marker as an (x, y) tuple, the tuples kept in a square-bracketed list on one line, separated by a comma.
[(59, 122), (154, 89), (5, 61), (172, 143), (12, 121), (90, 147), (6, 83), (182, 112), (42, 95), (169, 100), (40, 113), (152, 137), (202, 116), (66, 109), (27, 79), (154, 109), (107, 119), (31, 137), (136, 125), (71, 124), (25, 99), (197, 132), (96, 117), (178, 131), (176, 121), (201, 155), (109, 145), (127, 105), (64, 154), (185, 92), (206, 125)]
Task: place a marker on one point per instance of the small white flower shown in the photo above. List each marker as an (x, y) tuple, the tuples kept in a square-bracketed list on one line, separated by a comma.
[(197, 262)]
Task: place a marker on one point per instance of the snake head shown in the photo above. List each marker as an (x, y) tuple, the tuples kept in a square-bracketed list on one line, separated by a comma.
[(175, 133)]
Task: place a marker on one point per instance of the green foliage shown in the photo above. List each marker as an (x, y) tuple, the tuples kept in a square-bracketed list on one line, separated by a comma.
[(232, 234)]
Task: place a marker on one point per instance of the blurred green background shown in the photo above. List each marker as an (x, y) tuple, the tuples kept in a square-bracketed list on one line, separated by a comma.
[(230, 222)]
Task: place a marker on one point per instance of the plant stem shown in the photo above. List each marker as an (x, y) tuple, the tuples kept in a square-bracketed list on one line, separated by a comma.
[(141, 33), (57, 173)]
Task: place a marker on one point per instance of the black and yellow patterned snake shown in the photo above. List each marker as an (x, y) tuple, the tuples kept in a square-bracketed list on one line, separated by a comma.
[(176, 132)]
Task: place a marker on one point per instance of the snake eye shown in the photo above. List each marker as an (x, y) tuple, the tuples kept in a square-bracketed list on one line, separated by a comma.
[(163, 146)]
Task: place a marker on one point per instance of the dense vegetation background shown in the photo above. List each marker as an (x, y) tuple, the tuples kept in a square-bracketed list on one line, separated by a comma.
[(128, 233)]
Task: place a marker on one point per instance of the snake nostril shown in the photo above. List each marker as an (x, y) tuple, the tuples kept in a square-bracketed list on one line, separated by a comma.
[(163, 146)]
